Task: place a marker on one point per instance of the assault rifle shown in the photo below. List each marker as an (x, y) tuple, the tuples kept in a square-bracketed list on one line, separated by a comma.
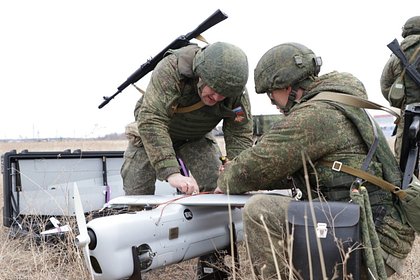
[(179, 42), (411, 133)]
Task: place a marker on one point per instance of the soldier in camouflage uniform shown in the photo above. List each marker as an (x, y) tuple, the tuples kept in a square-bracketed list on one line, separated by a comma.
[(397, 87), (190, 92), (323, 130)]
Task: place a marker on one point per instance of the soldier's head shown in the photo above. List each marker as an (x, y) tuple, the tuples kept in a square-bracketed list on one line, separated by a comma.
[(223, 71), (284, 72), (411, 26)]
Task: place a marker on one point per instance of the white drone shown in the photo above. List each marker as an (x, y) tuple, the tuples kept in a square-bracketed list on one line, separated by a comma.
[(176, 228)]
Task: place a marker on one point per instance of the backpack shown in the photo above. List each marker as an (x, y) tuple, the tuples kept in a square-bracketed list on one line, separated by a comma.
[(404, 90)]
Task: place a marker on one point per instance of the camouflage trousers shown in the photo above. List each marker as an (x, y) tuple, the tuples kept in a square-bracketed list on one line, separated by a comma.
[(201, 157), (264, 219)]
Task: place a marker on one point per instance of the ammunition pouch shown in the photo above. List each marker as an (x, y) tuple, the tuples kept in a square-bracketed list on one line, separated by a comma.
[(396, 95)]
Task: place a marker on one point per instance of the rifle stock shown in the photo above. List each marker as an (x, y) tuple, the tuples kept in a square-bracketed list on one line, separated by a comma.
[(179, 42)]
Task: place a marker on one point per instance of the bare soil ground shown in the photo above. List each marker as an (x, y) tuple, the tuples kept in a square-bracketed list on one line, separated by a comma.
[(22, 259)]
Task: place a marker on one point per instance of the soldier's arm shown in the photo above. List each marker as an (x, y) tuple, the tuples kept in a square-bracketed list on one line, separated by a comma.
[(315, 130), (391, 71), (238, 131), (154, 116)]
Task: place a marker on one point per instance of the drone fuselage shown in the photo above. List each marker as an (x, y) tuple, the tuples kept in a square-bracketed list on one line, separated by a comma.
[(165, 235)]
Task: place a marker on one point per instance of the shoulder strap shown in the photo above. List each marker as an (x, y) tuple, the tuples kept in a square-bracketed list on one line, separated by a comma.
[(413, 56), (338, 166), (188, 109), (353, 101), (360, 103)]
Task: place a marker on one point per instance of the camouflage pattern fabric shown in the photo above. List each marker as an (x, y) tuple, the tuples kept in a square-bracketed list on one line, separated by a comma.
[(163, 134), (327, 131), (372, 252), (392, 70), (275, 69), (138, 174), (201, 156), (259, 211), (223, 67)]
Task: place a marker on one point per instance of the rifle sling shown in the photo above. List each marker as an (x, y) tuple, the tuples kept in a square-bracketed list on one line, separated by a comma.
[(353, 101), (411, 60), (338, 166), (196, 106)]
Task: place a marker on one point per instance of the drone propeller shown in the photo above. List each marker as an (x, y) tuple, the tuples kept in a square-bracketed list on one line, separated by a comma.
[(58, 228), (83, 239)]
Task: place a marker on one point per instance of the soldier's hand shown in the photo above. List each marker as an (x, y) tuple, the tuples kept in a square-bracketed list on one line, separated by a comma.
[(225, 162), (186, 185)]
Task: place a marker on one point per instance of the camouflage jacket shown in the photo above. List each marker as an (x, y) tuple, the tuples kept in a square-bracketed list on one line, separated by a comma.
[(329, 131), (393, 69), (320, 129), (173, 84)]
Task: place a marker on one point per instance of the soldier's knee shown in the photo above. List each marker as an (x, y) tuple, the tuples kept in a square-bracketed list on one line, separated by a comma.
[(252, 208), (138, 190), (271, 206)]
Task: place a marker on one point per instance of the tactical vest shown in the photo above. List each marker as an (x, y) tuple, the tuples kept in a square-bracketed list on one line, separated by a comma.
[(383, 154), (395, 236)]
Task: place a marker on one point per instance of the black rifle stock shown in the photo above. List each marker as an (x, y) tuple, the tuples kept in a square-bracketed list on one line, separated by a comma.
[(179, 42)]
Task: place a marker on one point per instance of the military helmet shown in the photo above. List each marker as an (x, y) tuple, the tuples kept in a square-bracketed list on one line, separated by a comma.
[(223, 67), (411, 26), (289, 64)]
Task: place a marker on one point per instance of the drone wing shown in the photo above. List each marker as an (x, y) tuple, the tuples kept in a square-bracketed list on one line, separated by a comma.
[(215, 200)]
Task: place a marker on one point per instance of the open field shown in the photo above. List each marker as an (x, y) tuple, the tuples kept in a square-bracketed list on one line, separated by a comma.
[(22, 259)]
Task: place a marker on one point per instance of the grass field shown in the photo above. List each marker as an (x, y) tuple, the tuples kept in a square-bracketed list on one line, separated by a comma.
[(22, 259)]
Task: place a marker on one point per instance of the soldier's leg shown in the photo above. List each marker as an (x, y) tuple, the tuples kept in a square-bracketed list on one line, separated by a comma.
[(202, 158), (270, 210), (138, 175)]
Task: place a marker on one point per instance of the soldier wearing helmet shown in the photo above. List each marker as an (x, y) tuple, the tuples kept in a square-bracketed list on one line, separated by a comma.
[(397, 87), (411, 27), (319, 130), (275, 71), (190, 92)]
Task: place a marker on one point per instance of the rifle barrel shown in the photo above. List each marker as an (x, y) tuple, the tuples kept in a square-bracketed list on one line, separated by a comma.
[(179, 42)]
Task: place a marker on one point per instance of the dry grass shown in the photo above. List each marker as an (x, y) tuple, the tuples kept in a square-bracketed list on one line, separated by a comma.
[(22, 259)]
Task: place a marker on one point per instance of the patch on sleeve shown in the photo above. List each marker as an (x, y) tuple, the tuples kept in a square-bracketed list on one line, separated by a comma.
[(240, 115)]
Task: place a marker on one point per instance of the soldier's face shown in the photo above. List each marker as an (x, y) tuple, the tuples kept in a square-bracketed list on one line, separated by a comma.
[(279, 97), (209, 96)]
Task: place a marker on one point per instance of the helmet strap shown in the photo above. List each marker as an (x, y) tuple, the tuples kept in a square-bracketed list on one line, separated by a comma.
[(291, 101)]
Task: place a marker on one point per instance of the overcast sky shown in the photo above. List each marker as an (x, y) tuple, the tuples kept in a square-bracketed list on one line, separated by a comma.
[(58, 58)]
